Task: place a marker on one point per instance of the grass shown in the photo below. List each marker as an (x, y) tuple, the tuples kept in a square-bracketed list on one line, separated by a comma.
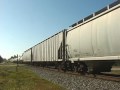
[(23, 79)]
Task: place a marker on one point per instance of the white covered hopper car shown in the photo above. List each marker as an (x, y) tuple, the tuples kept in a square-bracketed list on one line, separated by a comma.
[(91, 44)]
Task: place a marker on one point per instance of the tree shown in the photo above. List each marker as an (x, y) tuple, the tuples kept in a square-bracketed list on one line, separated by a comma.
[(1, 59)]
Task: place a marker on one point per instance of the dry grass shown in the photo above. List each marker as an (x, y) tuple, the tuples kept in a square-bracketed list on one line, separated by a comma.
[(23, 79)]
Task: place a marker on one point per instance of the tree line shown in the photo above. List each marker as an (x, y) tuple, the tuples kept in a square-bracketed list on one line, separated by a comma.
[(13, 57)]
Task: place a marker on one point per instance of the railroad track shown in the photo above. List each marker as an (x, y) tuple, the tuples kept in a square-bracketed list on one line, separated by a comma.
[(102, 76), (110, 77)]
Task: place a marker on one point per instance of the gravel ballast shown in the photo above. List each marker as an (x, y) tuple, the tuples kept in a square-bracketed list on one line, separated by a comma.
[(73, 82)]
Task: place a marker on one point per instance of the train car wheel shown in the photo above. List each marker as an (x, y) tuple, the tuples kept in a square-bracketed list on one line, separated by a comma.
[(82, 68)]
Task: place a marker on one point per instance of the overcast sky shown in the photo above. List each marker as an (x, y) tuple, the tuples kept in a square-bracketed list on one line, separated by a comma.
[(24, 23)]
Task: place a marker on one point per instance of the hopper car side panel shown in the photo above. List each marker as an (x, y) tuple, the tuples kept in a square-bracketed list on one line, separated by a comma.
[(96, 38), (48, 50), (27, 56)]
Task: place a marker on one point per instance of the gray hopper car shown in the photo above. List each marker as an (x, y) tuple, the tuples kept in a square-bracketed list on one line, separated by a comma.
[(90, 45)]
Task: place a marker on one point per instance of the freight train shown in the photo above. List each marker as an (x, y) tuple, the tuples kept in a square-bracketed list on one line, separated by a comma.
[(89, 45)]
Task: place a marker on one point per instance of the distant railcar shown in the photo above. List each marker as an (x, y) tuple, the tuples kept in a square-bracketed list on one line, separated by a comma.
[(90, 45)]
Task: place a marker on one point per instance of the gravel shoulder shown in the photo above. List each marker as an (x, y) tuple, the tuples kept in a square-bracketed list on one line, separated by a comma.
[(72, 82)]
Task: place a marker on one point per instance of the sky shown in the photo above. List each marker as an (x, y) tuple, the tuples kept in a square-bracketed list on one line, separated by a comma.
[(24, 23)]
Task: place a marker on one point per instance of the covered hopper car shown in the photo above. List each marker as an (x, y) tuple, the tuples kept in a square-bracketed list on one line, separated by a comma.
[(90, 45)]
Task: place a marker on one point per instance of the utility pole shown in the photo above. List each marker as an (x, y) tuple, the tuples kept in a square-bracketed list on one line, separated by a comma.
[(17, 60), (17, 63)]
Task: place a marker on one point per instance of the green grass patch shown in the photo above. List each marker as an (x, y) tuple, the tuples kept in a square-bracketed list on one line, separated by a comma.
[(23, 79)]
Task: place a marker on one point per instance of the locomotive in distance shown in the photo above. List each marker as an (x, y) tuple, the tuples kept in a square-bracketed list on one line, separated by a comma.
[(90, 45)]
